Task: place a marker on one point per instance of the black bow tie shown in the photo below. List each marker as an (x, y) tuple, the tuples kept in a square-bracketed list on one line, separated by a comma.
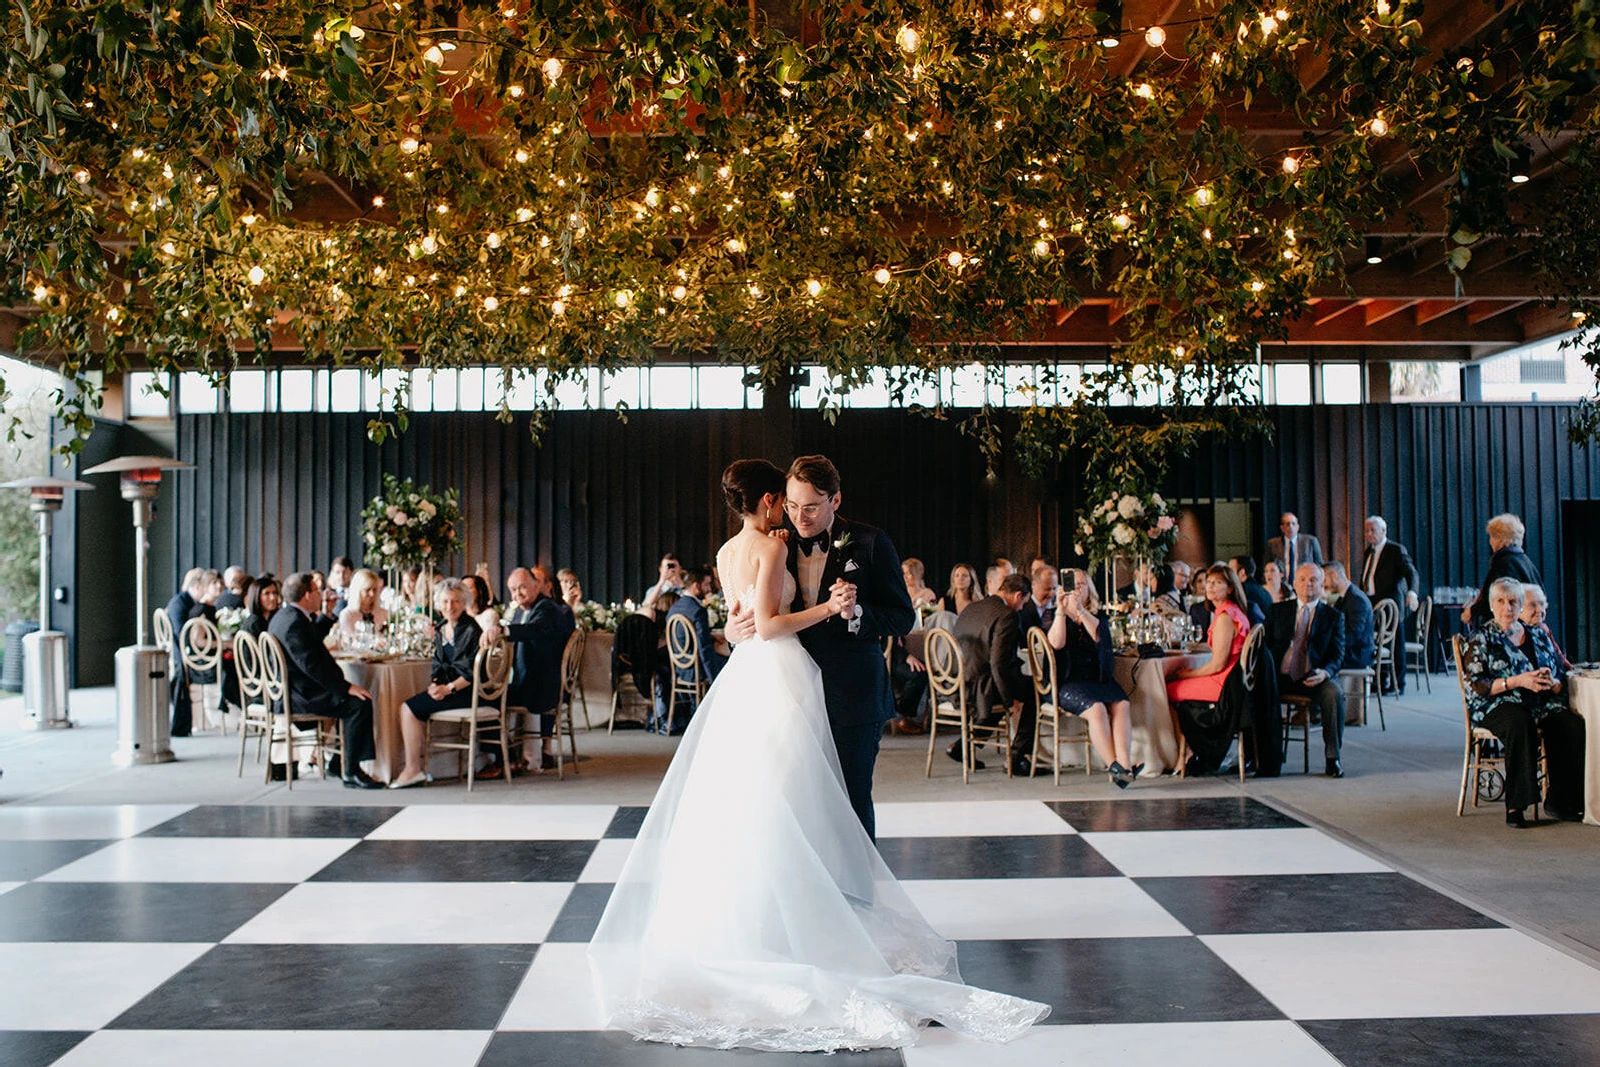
[(810, 544)]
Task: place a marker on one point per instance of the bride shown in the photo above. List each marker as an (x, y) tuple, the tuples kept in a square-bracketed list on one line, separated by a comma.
[(754, 911)]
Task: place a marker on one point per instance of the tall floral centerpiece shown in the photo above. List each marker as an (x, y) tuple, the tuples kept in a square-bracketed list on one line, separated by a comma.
[(1136, 528), (407, 524)]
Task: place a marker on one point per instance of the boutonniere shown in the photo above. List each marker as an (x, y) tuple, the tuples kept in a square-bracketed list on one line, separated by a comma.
[(843, 540)]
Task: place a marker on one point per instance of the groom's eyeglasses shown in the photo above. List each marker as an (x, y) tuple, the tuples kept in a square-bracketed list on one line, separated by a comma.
[(809, 511)]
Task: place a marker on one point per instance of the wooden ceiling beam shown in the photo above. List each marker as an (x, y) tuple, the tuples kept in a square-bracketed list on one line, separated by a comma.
[(1428, 310), (1378, 310), (1484, 310)]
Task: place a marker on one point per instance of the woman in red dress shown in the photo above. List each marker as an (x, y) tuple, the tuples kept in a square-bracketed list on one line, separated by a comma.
[(1230, 622)]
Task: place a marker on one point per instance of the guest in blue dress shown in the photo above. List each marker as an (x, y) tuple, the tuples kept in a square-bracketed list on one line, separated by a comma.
[(1085, 683)]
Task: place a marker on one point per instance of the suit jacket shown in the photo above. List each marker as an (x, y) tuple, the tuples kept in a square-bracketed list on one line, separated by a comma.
[(316, 684), (1360, 652), (455, 660), (540, 634), (855, 681), (178, 609), (1324, 644), (1395, 576), (1307, 549), (1260, 601), (1508, 562), (230, 599), (255, 625), (711, 661), (990, 637), (1029, 616)]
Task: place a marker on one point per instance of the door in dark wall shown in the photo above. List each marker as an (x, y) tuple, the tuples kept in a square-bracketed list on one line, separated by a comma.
[(1579, 627)]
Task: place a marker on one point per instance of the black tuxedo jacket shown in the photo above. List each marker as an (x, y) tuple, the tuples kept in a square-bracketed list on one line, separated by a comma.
[(1359, 650), (855, 681), (536, 668), (178, 609), (990, 636), (1395, 576), (1324, 645), (316, 684)]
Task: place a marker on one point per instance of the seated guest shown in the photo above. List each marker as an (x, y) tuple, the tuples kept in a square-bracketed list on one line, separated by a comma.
[(1272, 581), (571, 588), (1360, 649), (669, 579), (539, 628), (1226, 633), (261, 600), (912, 570), (316, 684), (691, 605), (1200, 607), (1306, 637), (1039, 609), (493, 598), (992, 577), (1260, 601), (455, 645), (337, 582), (1085, 684), (411, 591), (210, 590), (361, 603), (234, 581), (480, 606), (990, 641), (1508, 561), (1172, 580), (1515, 691), (963, 591), (1535, 606)]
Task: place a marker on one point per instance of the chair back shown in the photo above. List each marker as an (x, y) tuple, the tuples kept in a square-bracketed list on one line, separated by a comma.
[(162, 627), (1457, 644), (1250, 655), (247, 661), (683, 644), (1385, 621), (1042, 665), (945, 674), (200, 643), (274, 672), (491, 671), (1424, 619), (572, 665)]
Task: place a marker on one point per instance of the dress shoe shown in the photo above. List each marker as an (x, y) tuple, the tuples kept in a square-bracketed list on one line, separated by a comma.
[(1022, 767), (420, 778), (905, 728), (360, 779), (954, 752), (335, 767), (493, 772), (1333, 769), (1515, 819), (1563, 815), (547, 762)]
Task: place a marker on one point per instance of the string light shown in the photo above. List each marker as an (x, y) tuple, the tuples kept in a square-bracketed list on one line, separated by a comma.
[(652, 197), (881, 276), (429, 244), (248, 219), (1291, 164), (524, 214), (814, 287), (679, 292), (377, 201), (434, 56), (735, 245), (1036, 14), (623, 298), (1204, 196), (492, 239), (113, 315), (955, 259), (1041, 247), (1379, 126), (1144, 91), (1179, 351), (490, 303), (409, 145), (552, 69), (557, 308), (1121, 220), (520, 155), (1269, 25), (908, 38), (1155, 37), (442, 208), (256, 275), (514, 91), (1257, 285), (40, 293)]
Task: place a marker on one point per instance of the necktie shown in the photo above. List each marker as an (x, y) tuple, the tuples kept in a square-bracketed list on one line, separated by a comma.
[(1289, 554), (1295, 662), (1372, 572)]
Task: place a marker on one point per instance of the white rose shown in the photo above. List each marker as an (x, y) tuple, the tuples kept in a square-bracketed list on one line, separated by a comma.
[(1128, 506), (1155, 498), (391, 547), (1122, 534)]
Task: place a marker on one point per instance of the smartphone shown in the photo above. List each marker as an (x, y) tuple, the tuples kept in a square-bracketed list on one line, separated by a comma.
[(1069, 579)]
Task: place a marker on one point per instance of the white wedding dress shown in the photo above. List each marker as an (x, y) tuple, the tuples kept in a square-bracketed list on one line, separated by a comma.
[(754, 911)]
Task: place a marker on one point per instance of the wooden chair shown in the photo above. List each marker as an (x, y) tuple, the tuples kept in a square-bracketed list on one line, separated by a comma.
[(625, 673), (256, 718), (276, 690), (161, 628), (200, 648), (1297, 706), (485, 719), (1481, 764), (1047, 706), (1416, 652), (1249, 659), (1385, 624), (571, 682), (947, 697), (683, 654), (619, 698)]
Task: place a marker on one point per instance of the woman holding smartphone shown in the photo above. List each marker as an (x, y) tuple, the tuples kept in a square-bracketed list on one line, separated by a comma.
[(1085, 685)]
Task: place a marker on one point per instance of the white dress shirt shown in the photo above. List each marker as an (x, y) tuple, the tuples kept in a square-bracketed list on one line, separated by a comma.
[(810, 568), (1369, 576)]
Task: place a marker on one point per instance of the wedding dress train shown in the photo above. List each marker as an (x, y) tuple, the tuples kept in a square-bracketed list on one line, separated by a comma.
[(755, 912)]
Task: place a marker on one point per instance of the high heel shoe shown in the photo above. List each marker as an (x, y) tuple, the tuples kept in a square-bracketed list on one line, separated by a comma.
[(1119, 775)]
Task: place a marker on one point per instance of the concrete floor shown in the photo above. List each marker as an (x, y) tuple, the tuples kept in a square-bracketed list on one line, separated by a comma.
[(1397, 800)]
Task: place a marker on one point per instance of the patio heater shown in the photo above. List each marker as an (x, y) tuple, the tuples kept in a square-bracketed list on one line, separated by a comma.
[(44, 653), (144, 734)]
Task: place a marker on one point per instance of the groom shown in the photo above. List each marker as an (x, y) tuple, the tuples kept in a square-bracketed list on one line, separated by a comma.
[(826, 550)]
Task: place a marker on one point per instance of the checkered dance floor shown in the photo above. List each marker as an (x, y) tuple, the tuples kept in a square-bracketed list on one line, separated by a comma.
[(1167, 931)]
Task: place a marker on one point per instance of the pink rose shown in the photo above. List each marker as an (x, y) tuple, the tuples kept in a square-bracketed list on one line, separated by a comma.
[(1165, 523)]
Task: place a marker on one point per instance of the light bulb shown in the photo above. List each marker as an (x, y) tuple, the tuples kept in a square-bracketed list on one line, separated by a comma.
[(1379, 126), (524, 214), (908, 39), (1269, 25), (1121, 220), (256, 275), (490, 303), (434, 56), (1257, 285), (520, 155), (460, 290), (429, 244), (1144, 91), (1291, 164), (947, 188), (557, 308), (1382, 8), (81, 176), (1179, 351), (1041, 247), (442, 208), (40, 294), (409, 145), (514, 91), (248, 219), (138, 153), (814, 287), (652, 198), (755, 290), (377, 201), (168, 248), (113, 315), (955, 259), (623, 298), (1036, 14), (1204, 196), (552, 69), (1155, 37), (679, 292), (735, 245), (492, 239), (881, 275)]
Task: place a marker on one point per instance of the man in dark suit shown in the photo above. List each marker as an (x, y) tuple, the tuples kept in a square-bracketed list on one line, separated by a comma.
[(1039, 606), (1388, 574), (340, 571), (539, 628), (1359, 651), (990, 638), (178, 610), (1244, 568), (697, 583), (825, 551), (1293, 548), (1306, 637), (316, 684)]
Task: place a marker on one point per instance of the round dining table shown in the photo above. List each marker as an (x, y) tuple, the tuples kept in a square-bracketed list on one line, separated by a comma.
[(391, 681), (1583, 691), (1153, 737)]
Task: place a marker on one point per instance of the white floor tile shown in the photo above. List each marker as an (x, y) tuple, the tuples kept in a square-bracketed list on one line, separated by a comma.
[(1411, 973), (275, 1048), (411, 913), (205, 859), (965, 818), (1169, 853), (84, 822), (499, 822), (605, 865), (6, 887), (1017, 908), (1237, 1044), (82, 986), (556, 994)]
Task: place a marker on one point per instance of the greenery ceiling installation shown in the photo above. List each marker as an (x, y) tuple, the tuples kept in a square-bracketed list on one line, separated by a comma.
[(557, 184)]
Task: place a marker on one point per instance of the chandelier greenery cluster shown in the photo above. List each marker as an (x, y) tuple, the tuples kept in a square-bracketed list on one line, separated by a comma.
[(565, 184)]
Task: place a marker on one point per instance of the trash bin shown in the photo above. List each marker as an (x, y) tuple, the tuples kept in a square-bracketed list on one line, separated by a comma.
[(11, 676)]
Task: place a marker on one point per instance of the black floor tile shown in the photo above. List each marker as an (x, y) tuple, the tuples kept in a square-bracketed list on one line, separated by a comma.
[(130, 911), (520, 1049), (336, 987), (1309, 903), (274, 820), (581, 913), (1503, 1041), (36, 1048), (1048, 856), (459, 861), (22, 860), (626, 822), (1172, 813), (1116, 980)]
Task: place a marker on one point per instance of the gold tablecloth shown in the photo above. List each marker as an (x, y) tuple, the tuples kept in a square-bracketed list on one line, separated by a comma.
[(391, 684), (1584, 695), (1153, 739)]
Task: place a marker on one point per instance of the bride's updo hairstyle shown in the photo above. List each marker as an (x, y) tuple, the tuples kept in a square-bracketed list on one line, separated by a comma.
[(746, 481)]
